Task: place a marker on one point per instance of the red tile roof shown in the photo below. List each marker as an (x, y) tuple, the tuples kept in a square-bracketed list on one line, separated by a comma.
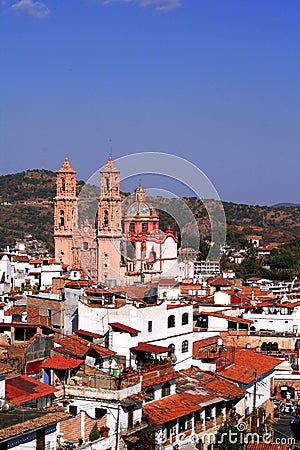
[(265, 446), (77, 347), (88, 333), (213, 384), (202, 344), (158, 377), (229, 318), (220, 282), (150, 348), (246, 362), (61, 363), (170, 408), (117, 326), (4, 368), (38, 422), (21, 389)]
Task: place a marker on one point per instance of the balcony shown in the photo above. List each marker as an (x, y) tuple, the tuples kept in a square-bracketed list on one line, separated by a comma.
[(199, 427), (134, 429)]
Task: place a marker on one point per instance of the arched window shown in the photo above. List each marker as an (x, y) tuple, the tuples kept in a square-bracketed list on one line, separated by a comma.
[(171, 321), (107, 183), (166, 389), (185, 346), (63, 184), (85, 246), (62, 218), (150, 394), (185, 319), (105, 224)]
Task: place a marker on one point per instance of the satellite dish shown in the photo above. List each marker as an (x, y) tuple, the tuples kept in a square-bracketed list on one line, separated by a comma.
[(173, 357)]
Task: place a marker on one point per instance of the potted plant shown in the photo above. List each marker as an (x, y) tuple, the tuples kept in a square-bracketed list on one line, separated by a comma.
[(104, 431)]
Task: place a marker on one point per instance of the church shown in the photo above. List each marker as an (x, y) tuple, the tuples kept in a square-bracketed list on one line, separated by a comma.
[(124, 245)]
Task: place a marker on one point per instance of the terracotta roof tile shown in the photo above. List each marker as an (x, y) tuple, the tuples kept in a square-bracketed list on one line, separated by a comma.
[(29, 425), (169, 408), (117, 326), (246, 362), (21, 389), (77, 347), (265, 446), (61, 363)]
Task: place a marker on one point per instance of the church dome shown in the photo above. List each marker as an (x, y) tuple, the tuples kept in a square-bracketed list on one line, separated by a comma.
[(141, 209)]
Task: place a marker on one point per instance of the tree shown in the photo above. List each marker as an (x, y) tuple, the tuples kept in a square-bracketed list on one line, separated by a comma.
[(230, 435), (95, 433)]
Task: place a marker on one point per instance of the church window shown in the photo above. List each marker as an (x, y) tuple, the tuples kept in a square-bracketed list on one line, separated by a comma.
[(107, 183), (85, 246), (105, 218), (144, 226), (171, 321), (132, 227), (62, 218), (63, 184), (185, 319)]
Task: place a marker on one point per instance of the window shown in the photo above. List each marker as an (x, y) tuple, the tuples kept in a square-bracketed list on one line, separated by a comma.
[(62, 218), (144, 227), (171, 321), (132, 227), (185, 319), (105, 218), (189, 421), (73, 410), (85, 246), (63, 184), (150, 394), (182, 424), (107, 183), (100, 412), (166, 389), (149, 326), (185, 347)]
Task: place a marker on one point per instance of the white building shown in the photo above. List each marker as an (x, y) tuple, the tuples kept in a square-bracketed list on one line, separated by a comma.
[(168, 325)]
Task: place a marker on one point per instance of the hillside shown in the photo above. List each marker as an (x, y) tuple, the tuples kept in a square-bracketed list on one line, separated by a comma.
[(26, 207)]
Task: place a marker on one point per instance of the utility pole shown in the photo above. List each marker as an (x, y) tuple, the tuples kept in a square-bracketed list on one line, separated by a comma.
[(117, 428), (253, 421)]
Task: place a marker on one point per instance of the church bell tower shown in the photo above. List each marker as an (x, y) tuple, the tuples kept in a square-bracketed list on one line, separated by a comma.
[(109, 226), (65, 214)]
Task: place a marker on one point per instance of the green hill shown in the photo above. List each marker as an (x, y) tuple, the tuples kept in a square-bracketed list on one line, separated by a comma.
[(26, 207)]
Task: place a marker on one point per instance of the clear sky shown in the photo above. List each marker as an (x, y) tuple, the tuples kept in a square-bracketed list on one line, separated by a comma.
[(214, 81)]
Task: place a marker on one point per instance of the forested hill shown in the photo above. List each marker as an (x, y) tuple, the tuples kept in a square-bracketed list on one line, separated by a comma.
[(26, 207)]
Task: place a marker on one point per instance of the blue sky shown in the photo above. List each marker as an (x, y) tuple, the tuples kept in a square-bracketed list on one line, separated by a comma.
[(213, 81)]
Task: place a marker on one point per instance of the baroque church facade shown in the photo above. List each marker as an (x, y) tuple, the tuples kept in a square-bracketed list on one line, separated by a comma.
[(124, 245)]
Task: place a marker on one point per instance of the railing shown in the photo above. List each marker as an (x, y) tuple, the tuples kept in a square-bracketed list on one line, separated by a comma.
[(136, 427)]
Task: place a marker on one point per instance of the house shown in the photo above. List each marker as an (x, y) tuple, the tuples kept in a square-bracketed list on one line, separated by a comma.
[(253, 372), (189, 408), (25, 419), (167, 324)]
